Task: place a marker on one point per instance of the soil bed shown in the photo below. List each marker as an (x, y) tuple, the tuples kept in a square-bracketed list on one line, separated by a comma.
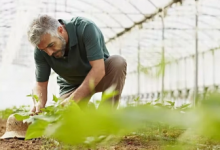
[(17, 144)]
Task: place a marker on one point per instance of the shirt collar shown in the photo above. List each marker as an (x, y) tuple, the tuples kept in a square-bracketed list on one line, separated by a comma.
[(71, 31)]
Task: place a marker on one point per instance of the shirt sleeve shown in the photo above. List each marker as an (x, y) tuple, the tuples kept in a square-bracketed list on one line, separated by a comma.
[(92, 38), (42, 68)]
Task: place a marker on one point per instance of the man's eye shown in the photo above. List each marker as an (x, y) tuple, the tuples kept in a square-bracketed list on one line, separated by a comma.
[(51, 45)]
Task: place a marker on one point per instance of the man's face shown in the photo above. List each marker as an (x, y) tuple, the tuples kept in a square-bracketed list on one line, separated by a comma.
[(53, 46)]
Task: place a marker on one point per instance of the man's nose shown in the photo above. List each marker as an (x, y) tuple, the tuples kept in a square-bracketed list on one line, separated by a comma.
[(49, 51)]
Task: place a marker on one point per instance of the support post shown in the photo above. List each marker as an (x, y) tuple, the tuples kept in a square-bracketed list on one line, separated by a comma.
[(138, 58), (163, 65), (196, 55)]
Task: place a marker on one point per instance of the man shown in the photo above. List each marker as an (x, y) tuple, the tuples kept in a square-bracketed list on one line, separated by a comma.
[(76, 51)]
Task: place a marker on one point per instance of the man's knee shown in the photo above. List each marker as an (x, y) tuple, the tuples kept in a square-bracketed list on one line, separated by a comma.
[(118, 62)]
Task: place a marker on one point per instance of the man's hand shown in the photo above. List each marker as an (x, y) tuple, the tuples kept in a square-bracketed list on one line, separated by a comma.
[(39, 90), (37, 108), (66, 101), (92, 79)]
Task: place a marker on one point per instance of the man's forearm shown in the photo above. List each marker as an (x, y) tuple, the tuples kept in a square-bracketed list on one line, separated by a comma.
[(85, 89), (40, 90)]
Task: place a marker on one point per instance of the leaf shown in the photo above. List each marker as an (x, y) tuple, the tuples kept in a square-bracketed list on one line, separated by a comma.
[(48, 118), (6, 113), (91, 85), (137, 99), (55, 99), (48, 109), (30, 95), (157, 100), (184, 106), (171, 103), (21, 116), (148, 103), (158, 104), (36, 98), (97, 102), (107, 95), (29, 120), (143, 69), (36, 129)]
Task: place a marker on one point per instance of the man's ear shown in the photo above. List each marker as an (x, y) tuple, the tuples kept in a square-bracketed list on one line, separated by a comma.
[(60, 29)]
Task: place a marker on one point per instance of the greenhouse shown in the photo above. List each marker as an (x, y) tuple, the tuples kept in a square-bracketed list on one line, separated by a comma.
[(172, 50)]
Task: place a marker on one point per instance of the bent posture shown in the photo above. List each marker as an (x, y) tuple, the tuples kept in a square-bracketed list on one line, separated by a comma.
[(76, 51)]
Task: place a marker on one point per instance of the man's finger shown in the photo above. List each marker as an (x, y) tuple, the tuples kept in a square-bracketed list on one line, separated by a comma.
[(62, 103), (38, 110), (65, 102), (33, 110)]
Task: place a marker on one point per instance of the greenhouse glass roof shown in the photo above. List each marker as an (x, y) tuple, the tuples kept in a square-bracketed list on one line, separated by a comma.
[(129, 26)]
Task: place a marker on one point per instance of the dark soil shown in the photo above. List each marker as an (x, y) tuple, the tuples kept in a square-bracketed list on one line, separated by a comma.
[(127, 143), (17, 144)]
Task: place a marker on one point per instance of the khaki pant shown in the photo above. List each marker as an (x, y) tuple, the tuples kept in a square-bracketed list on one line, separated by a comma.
[(115, 74)]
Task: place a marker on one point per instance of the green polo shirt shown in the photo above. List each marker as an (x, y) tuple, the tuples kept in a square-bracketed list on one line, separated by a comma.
[(86, 43)]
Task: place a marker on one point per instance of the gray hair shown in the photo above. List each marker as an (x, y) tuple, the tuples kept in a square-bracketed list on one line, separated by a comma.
[(41, 25)]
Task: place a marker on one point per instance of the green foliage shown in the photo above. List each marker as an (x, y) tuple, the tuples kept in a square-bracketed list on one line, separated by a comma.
[(161, 67), (184, 106), (101, 122), (143, 69), (73, 125), (36, 129), (55, 99), (171, 103), (4, 114), (208, 121), (137, 99), (34, 97), (21, 116)]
